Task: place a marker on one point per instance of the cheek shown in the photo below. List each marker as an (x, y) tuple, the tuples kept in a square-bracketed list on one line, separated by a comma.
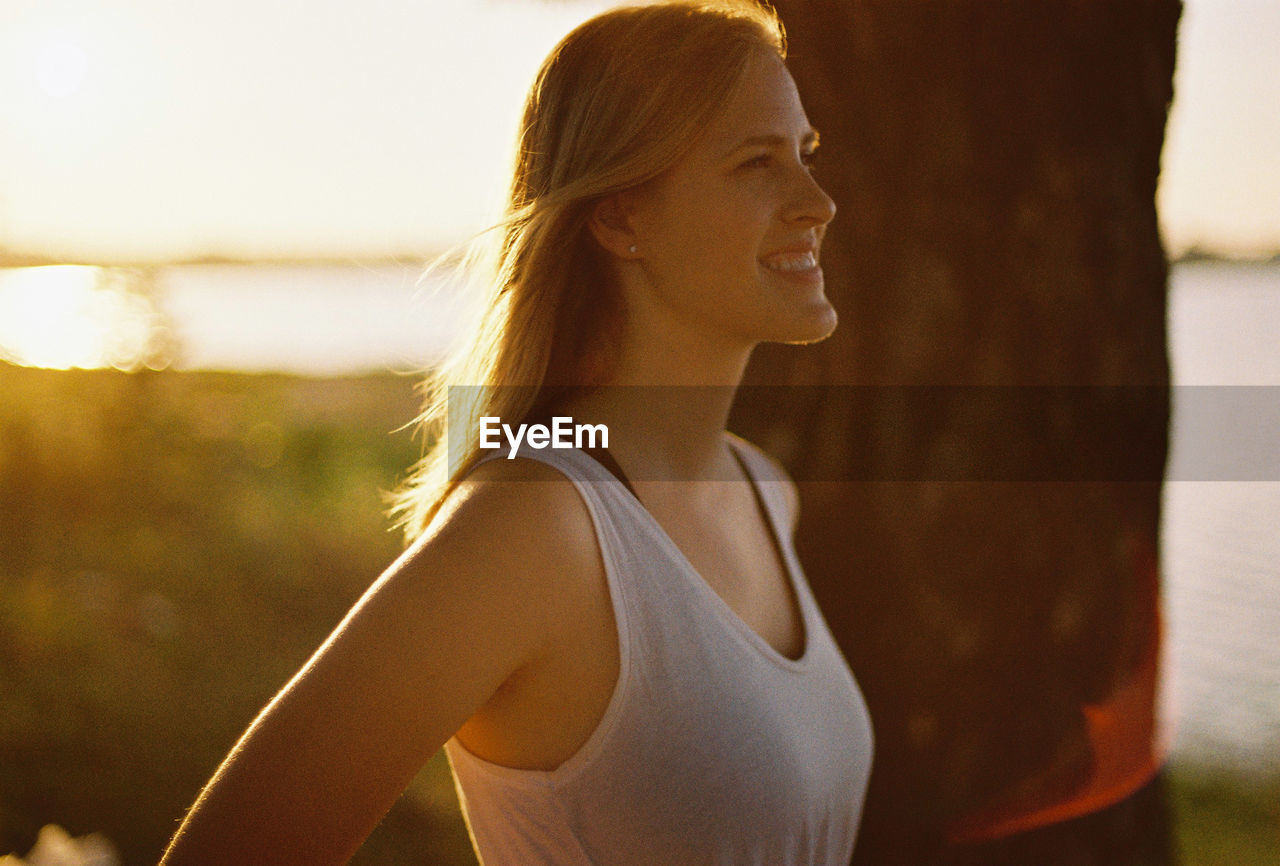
[(724, 234), (705, 245)]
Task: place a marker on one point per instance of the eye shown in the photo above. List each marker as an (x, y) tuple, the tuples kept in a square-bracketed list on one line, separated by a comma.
[(809, 158)]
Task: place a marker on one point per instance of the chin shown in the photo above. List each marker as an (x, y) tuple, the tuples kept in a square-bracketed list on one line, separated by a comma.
[(803, 313), (818, 323)]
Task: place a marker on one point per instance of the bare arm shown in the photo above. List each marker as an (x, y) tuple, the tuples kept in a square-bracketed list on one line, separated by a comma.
[(427, 645)]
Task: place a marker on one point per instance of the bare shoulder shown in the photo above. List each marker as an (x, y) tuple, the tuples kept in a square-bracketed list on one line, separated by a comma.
[(513, 486), (515, 521), (517, 540), (519, 544)]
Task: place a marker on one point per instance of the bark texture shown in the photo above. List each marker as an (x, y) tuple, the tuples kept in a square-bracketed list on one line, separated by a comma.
[(995, 167)]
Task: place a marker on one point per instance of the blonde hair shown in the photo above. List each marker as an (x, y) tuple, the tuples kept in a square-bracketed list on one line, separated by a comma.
[(615, 104)]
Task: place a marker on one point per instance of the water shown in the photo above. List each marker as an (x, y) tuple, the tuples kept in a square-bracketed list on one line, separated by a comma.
[(313, 319), (1221, 539), (308, 319), (1224, 323)]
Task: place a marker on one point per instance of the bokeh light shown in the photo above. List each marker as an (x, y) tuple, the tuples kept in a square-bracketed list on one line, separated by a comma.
[(66, 316)]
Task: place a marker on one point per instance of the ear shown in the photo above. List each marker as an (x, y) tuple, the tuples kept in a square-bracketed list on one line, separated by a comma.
[(613, 225)]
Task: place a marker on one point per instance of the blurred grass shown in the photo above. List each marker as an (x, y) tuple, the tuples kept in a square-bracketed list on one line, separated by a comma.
[(1223, 819), (174, 545)]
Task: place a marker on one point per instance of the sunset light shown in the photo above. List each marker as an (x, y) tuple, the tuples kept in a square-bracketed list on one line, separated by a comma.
[(378, 129), (66, 316), (298, 299)]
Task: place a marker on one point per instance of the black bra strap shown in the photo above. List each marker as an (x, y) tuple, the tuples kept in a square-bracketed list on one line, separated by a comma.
[(605, 459), (755, 488)]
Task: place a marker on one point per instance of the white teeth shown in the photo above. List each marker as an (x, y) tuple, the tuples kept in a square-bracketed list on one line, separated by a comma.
[(792, 262)]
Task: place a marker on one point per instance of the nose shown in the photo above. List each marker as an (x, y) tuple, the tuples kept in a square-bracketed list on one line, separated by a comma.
[(810, 202)]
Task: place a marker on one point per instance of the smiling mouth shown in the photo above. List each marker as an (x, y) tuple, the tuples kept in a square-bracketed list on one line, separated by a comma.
[(791, 262)]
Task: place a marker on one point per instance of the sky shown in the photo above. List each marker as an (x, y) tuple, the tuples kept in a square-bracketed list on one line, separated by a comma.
[(149, 130)]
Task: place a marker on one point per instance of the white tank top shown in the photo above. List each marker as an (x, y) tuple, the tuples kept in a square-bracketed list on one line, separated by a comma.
[(714, 747)]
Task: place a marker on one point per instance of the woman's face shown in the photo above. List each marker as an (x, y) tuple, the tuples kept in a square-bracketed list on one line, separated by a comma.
[(728, 238)]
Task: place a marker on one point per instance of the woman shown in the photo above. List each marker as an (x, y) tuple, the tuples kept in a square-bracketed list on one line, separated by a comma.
[(623, 668)]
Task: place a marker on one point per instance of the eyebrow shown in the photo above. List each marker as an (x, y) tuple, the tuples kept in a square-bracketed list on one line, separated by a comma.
[(809, 139)]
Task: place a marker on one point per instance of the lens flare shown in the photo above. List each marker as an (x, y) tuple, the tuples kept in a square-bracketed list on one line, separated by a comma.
[(65, 316)]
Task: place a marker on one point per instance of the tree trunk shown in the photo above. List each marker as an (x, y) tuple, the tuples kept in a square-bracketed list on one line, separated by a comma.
[(995, 167)]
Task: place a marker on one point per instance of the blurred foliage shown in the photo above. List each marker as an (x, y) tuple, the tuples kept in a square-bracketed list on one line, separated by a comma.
[(173, 546), (1225, 820)]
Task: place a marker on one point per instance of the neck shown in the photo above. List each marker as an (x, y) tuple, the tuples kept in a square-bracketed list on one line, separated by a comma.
[(667, 399), (664, 428)]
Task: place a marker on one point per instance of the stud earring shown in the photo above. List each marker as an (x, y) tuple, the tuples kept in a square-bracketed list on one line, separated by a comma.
[(633, 249)]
